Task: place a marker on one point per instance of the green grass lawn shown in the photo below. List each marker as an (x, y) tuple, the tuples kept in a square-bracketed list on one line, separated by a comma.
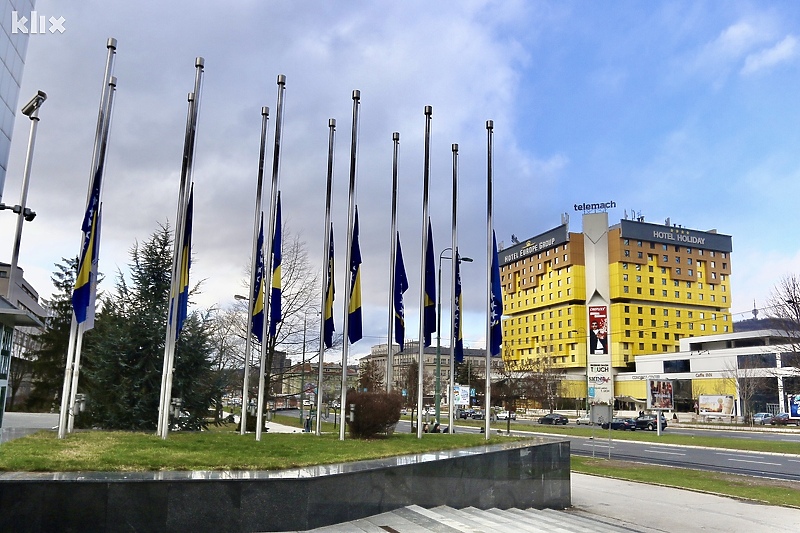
[(220, 449)]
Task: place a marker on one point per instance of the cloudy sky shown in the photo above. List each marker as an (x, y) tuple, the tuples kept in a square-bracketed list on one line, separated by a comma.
[(686, 110)]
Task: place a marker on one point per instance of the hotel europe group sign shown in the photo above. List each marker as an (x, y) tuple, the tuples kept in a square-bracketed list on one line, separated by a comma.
[(534, 245)]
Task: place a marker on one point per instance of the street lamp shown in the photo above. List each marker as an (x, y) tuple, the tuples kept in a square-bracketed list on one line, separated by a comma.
[(586, 361), (30, 110), (303, 367), (438, 397)]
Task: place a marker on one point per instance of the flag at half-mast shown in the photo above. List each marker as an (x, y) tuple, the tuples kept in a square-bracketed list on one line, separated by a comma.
[(457, 313), (85, 285), (275, 298), (258, 287), (330, 293), (429, 315), (186, 265), (400, 286), (496, 304), (354, 311)]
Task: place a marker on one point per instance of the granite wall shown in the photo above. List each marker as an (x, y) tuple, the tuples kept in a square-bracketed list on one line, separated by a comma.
[(533, 473)]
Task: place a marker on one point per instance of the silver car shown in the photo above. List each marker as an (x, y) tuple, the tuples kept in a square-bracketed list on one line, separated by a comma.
[(762, 418)]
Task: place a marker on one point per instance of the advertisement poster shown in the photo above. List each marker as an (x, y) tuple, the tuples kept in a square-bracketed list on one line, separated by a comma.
[(794, 406), (460, 395), (659, 394), (598, 329), (601, 386), (719, 404)]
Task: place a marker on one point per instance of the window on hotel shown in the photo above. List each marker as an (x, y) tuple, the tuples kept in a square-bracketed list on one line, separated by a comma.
[(664, 293)]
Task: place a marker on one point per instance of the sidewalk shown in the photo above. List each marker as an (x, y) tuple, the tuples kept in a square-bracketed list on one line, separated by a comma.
[(651, 508)]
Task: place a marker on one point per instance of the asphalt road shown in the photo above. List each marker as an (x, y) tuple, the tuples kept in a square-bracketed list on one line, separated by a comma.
[(768, 465)]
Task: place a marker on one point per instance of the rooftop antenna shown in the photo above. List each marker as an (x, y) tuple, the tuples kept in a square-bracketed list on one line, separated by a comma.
[(755, 310)]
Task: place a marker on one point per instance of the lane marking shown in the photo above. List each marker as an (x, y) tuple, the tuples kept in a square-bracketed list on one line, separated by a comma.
[(756, 462), (666, 453)]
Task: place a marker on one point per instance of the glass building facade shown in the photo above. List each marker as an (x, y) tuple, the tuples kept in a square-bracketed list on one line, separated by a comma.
[(13, 46)]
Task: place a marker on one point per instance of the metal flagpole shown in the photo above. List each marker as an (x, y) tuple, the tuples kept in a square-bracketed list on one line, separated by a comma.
[(349, 252), (111, 46), (326, 273), (276, 158), (101, 158), (489, 254), (392, 260), (253, 265), (425, 224), (453, 309), (183, 197)]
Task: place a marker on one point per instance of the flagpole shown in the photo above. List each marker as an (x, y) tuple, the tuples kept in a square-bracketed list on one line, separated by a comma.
[(253, 266), (453, 309), (66, 407), (82, 328), (186, 178), (425, 226), (489, 254), (326, 273), (268, 260), (392, 260), (349, 254)]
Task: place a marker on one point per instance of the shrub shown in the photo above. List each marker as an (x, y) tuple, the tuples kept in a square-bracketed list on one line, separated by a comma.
[(375, 412)]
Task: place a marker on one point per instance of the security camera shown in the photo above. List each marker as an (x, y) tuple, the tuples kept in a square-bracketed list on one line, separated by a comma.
[(34, 103)]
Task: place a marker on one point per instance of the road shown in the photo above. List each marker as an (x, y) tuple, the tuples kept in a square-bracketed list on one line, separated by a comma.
[(767, 465)]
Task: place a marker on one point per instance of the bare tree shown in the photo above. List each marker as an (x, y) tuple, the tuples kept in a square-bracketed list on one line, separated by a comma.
[(783, 310), (536, 379), (745, 377)]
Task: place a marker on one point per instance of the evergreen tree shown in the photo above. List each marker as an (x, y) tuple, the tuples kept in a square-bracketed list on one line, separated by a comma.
[(50, 359), (125, 353)]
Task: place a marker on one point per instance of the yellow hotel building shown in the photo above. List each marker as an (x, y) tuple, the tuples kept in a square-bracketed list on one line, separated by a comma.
[(609, 294)]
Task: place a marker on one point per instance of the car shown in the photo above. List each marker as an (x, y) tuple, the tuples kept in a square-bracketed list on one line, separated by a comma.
[(782, 419), (505, 415), (554, 418), (620, 423), (762, 418), (478, 415), (584, 419), (649, 422), (465, 413)]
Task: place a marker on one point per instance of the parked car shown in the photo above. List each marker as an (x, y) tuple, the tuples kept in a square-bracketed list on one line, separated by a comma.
[(465, 413), (505, 415), (649, 422), (621, 423), (782, 419), (554, 418), (478, 415), (762, 418), (584, 419)]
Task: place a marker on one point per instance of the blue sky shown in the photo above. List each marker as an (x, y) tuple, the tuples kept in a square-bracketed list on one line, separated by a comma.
[(686, 110)]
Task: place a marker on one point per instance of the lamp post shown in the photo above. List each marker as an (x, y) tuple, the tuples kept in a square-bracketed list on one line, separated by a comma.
[(303, 365), (586, 361), (438, 396), (30, 110)]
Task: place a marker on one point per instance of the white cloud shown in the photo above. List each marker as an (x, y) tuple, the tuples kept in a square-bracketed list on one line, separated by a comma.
[(782, 52)]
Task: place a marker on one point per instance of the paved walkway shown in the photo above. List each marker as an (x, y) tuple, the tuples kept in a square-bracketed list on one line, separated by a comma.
[(650, 508)]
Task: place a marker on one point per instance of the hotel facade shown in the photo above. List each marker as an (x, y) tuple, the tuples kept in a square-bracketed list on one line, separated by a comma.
[(587, 304)]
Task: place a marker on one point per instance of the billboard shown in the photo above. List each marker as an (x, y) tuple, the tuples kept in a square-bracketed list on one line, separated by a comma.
[(794, 406), (659, 394), (598, 334), (716, 404), (601, 385)]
